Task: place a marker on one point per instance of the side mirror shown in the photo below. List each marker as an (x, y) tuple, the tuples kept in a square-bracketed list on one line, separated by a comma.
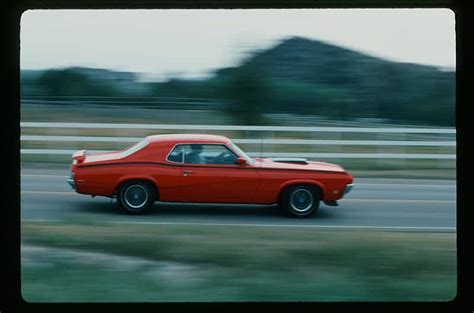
[(240, 161)]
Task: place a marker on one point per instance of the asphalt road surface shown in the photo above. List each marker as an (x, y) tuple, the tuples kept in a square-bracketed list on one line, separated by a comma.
[(392, 204)]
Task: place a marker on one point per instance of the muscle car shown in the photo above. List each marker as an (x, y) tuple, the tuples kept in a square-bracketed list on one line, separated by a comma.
[(194, 168)]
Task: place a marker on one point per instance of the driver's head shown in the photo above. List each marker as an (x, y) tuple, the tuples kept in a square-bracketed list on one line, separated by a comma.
[(196, 149)]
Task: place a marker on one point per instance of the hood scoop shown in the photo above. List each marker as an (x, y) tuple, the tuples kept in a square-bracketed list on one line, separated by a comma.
[(290, 160)]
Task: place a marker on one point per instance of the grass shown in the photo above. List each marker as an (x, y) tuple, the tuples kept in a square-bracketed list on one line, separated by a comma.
[(236, 263)]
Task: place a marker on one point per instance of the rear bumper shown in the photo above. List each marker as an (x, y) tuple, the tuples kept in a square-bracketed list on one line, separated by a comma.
[(71, 181), (347, 189)]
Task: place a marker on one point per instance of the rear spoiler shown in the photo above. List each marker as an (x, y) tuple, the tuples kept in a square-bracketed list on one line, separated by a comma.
[(79, 156)]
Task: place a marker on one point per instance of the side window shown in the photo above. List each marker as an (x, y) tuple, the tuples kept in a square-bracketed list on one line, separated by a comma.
[(176, 155), (208, 154)]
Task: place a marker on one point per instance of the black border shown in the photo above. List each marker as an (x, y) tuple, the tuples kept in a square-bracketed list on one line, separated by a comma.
[(10, 298)]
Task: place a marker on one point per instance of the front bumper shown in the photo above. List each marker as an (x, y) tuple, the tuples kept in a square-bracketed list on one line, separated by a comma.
[(71, 181), (347, 189)]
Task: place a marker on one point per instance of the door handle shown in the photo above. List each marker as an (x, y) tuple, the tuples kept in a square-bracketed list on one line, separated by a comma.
[(187, 172)]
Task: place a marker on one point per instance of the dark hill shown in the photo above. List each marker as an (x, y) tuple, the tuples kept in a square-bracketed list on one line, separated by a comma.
[(296, 76), (318, 62), (357, 84)]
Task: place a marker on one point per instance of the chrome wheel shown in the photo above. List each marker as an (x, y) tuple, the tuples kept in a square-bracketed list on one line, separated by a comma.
[(301, 200), (135, 196)]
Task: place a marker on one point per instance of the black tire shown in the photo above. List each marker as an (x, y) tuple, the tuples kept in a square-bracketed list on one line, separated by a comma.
[(300, 200), (136, 197)]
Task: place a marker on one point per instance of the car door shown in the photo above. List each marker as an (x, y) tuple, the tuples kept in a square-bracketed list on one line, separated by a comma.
[(167, 174), (212, 176)]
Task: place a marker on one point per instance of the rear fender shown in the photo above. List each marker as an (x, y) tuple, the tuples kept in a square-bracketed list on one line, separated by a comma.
[(136, 177)]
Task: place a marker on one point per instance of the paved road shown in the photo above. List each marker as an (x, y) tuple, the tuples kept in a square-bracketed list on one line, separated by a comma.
[(398, 204)]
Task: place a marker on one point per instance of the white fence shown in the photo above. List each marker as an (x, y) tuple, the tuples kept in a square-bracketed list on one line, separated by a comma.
[(439, 138), (239, 127)]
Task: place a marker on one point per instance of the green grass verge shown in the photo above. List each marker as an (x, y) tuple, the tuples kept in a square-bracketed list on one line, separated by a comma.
[(236, 263)]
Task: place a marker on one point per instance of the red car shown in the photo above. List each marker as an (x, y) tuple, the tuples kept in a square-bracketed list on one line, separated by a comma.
[(205, 169)]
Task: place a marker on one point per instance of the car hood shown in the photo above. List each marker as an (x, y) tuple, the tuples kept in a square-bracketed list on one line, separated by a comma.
[(307, 165)]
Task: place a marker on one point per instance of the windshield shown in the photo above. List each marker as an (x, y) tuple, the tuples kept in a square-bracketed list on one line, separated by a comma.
[(241, 153), (134, 148)]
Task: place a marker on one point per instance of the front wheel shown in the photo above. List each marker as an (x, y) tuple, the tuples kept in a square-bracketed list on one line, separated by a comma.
[(136, 197), (300, 200)]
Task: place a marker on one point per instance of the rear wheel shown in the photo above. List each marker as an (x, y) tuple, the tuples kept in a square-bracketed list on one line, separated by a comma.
[(300, 200), (136, 197)]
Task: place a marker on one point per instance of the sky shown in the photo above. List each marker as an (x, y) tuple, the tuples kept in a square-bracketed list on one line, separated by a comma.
[(193, 43)]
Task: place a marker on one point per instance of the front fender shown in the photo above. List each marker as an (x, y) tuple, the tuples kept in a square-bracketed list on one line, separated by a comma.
[(304, 182)]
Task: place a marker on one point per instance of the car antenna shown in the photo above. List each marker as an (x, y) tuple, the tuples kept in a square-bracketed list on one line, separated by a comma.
[(261, 147)]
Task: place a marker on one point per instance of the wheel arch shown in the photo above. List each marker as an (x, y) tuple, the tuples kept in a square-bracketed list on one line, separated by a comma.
[(146, 179), (292, 183)]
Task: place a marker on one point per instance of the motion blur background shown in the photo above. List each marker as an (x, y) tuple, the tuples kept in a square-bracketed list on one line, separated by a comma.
[(372, 90), (303, 68)]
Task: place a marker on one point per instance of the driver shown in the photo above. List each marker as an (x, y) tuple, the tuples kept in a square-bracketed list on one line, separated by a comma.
[(194, 156)]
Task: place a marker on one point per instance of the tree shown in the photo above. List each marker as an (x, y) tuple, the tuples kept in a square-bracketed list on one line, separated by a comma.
[(248, 94), (71, 82), (61, 82)]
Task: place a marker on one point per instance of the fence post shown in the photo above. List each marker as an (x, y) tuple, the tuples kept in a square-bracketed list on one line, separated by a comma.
[(378, 149), (403, 149)]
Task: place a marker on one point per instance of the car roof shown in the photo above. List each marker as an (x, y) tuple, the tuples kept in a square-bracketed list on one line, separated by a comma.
[(187, 138)]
